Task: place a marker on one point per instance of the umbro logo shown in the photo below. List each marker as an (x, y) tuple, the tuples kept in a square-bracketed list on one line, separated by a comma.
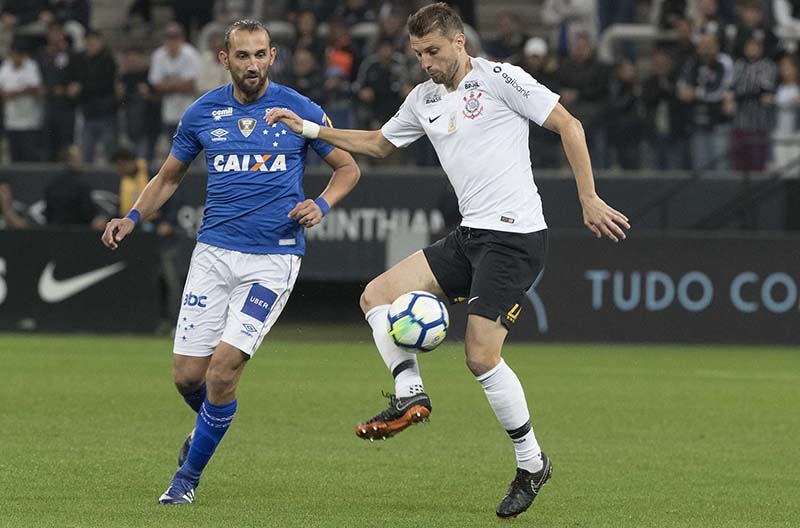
[(432, 119), (219, 134)]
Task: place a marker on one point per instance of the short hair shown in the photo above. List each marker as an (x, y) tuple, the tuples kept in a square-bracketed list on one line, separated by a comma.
[(245, 24), (435, 17)]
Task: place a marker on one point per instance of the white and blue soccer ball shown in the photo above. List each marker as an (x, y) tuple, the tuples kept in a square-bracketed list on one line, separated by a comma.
[(418, 320)]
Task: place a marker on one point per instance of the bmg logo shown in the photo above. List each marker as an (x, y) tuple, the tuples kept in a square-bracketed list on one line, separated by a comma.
[(191, 299)]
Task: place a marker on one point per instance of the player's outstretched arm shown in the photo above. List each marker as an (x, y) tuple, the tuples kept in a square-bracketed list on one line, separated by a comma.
[(369, 142), (598, 216), (154, 195)]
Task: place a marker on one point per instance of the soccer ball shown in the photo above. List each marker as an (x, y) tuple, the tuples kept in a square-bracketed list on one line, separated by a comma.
[(418, 320)]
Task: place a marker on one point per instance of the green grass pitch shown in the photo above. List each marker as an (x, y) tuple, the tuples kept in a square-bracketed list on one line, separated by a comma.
[(640, 436)]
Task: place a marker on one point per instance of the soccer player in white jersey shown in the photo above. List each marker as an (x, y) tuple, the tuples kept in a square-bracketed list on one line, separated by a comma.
[(251, 242), (476, 114)]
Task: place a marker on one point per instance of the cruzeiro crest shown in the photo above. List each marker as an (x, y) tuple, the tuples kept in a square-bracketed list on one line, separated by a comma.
[(472, 105), (247, 125)]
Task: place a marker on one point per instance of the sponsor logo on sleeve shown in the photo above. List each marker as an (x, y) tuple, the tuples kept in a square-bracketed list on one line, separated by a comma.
[(512, 82)]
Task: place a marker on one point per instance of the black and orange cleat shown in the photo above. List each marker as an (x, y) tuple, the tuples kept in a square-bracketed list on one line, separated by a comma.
[(401, 413)]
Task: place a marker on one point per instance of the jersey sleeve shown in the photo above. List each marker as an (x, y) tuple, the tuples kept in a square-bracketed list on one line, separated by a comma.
[(185, 144), (313, 112), (523, 94), (404, 128)]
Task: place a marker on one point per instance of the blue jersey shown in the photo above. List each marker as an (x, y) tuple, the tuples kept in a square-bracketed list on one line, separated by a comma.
[(255, 170)]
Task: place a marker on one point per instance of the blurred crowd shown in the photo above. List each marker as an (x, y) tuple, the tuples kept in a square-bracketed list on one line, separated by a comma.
[(719, 90)]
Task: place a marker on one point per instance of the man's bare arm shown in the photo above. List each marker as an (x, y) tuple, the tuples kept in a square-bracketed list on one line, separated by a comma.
[(369, 142), (599, 217)]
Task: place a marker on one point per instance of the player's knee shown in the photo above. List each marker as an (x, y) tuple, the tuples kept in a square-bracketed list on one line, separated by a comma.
[(371, 296), (186, 382), (221, 378), (481, 365)]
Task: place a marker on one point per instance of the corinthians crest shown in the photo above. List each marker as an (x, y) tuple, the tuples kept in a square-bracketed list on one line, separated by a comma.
[(472, 105), (247, 125)]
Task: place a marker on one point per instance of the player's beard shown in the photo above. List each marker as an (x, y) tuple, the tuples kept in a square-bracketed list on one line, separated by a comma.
[(249, 88), (446, 76)]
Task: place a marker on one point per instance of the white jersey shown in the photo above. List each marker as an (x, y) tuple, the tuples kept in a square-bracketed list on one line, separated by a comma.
[(480, 133)]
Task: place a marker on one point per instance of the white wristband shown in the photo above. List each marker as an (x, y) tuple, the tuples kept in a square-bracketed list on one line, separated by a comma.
[(310, 130)]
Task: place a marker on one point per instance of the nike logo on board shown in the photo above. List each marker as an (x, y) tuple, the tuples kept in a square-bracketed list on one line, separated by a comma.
[(53, 290)]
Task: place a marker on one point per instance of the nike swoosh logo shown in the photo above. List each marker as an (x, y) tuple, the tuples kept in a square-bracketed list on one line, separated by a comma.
[(470, 301), (52, 290), (432, 119)]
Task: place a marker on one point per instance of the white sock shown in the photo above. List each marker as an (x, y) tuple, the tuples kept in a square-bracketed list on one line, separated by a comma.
[(401, 363), (507, 399)]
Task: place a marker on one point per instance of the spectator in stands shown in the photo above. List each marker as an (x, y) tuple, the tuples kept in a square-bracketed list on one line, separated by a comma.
[(351, 12), (665, 131), (701, 87), (391, 27), (307, 77), (58, 65), (140, 107), (133, 177), (507, 47), (65, 10), (787, 17), (667, 13), (752, 24), (707, 20), (379, 84), (545, 145), (569, 18), (68, 200), (340, 52), (21, 89), (10, 217), (212, 72), (623, 123), (338, 98), (583, 81), (748, 101), (786, 134), (307, 38), (192, 15), (174, 69), (19, 13), (610, 12), (95, 88)]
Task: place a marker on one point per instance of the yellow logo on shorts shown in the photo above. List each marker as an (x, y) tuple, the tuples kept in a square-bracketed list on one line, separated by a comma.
[(513, 313)]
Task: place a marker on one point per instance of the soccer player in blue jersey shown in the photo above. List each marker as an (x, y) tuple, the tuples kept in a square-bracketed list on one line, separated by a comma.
[(251, 242)]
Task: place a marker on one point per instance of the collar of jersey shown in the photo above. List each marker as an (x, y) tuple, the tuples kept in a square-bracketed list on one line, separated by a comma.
[(271, 87)]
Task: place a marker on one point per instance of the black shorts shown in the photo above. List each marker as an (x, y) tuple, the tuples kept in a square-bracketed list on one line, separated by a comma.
[(491, 270)]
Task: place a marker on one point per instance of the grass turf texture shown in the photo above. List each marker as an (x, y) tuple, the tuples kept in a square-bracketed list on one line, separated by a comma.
[(639, 436)]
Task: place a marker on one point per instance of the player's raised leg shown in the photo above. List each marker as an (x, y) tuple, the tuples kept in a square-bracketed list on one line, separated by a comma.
[(410, 403), (484, 342), (213, 420)]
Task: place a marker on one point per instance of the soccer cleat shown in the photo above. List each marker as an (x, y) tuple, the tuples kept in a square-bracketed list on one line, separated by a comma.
[(180, 491), (523, 490), (184, 452), (401, 413)]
